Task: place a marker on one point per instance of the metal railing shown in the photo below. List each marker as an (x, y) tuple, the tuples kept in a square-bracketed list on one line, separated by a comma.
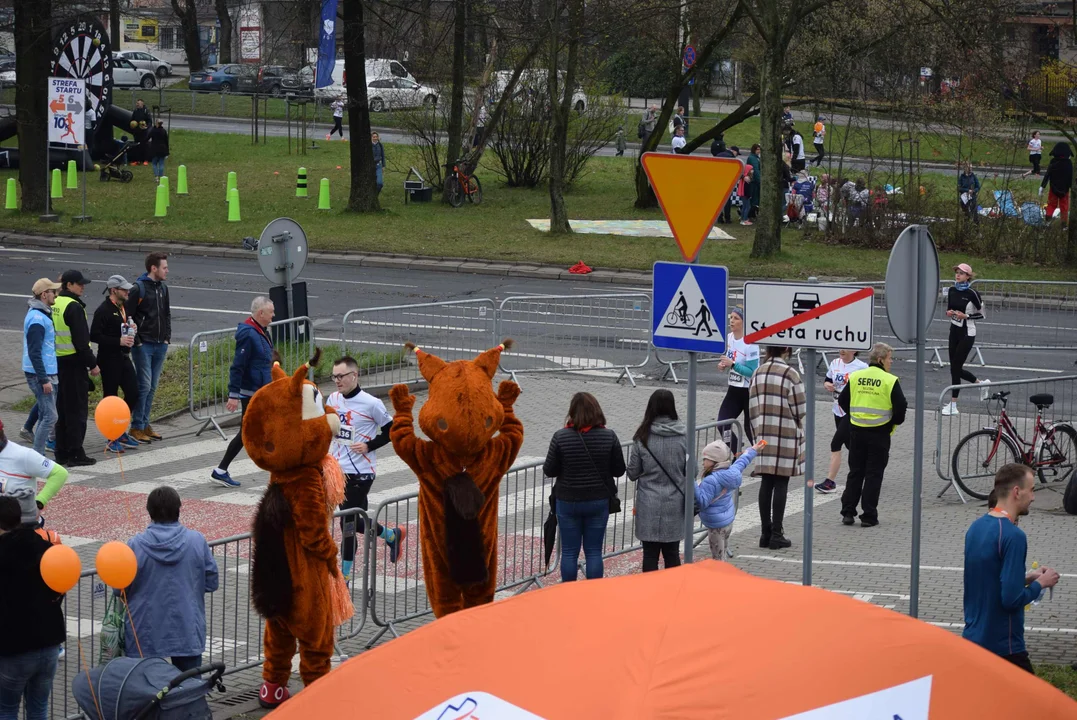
[(978, 412), (209, 361), (1028, 314), (558, 333), (454, 330)]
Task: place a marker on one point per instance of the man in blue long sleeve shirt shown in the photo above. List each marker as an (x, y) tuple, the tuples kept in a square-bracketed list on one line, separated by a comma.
[(39, 358), (997, 588)]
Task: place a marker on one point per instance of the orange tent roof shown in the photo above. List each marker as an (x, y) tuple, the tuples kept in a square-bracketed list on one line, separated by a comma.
[(700, 641)]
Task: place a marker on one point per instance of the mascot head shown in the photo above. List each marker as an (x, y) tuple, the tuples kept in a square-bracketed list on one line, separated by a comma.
[(284, 427), (461, 412)]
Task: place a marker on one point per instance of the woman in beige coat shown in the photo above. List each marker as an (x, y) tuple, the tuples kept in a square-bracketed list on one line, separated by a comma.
[(777, 407)]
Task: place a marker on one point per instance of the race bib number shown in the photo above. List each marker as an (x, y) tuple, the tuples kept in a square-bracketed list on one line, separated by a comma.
[(345, 434), (734, 378)]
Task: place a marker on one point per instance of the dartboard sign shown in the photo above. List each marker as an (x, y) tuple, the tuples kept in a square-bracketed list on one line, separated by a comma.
[(82, 50)]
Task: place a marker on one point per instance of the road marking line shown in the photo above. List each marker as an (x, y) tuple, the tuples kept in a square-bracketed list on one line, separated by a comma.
[(852, 563), (309, 279), (36, 252)]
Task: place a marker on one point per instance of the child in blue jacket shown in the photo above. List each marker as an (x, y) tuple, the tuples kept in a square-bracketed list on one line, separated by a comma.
[(715, 494)]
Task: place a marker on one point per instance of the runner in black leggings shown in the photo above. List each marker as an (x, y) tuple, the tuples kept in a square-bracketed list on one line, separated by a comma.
[(964, 307), (740, 360)]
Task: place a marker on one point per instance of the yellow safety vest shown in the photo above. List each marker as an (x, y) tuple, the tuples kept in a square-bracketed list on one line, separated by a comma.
[(869, 397), (64, 344)]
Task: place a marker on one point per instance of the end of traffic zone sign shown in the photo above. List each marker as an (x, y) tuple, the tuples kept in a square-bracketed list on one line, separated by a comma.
[(692, 192), (821, 317)]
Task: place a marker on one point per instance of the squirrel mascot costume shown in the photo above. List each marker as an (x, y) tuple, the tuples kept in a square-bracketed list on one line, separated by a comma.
[(474, 438), (296, 584)]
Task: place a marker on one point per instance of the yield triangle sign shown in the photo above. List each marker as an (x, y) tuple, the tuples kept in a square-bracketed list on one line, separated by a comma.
[(692, 191)]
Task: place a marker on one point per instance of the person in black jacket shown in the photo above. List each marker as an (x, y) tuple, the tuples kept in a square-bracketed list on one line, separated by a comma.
[(585, 458), (141, 121), (964, 307), (158, 147), (148, 306), (1059, 176), (74, 357), (34, 626), (114, 333)]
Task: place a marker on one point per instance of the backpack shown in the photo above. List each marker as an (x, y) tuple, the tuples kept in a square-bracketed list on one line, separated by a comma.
[(641, 129)]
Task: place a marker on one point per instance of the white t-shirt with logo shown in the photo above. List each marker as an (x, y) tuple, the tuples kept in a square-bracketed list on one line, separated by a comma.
[(1035, 146), (678, 142), (21, 467), (838, 374), (361, 418), (740, 352), (798, 146)]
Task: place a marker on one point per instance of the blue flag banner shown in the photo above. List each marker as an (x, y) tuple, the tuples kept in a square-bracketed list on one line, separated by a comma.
[(327, 44)]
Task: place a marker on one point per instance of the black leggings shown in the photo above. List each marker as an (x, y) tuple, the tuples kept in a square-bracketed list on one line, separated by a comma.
[(773, 491), (960, 349), (734, 404), (237, 442), (356, 488), (841, 433), (820, 154), (1035, 160), (337, 127), (671, 554)]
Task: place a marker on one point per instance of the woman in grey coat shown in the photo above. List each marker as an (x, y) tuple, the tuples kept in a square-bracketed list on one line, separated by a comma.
[(656, 461)]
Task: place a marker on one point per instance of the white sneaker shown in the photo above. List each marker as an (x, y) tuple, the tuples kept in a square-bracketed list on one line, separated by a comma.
[(985, 392), (950, 409)]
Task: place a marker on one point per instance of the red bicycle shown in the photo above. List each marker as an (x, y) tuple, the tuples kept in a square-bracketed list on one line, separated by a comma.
[(1051, 452), (462, 185)]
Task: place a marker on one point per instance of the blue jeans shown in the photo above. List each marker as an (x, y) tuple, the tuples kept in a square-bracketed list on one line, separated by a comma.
[(28, 675), (158, 166), (582, 523), (46, 411), (149, 361)]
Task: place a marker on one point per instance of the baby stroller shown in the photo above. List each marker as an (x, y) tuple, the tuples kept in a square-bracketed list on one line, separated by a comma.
[(111, 170), (146, 689)]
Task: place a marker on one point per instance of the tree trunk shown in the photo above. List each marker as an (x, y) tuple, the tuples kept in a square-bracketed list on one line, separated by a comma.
[(33, 19), (115, 28), (363, 195), (224, 39), (188, 18), (560, 95), (426, 41), (768, 228), (456, 106)]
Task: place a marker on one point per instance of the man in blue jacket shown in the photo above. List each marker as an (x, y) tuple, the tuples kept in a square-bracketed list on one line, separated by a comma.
[(252, 368), (167, 600), (39, 358)]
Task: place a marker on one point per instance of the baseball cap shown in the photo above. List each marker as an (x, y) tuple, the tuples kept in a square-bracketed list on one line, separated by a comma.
[(117, 281), (717, 452), (964, 267), (74, 276), (43, 284)]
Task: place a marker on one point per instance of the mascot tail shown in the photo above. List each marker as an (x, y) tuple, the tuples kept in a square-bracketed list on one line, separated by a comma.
[(271, 578)]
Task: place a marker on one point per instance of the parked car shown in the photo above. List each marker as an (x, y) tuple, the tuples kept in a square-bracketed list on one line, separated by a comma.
[(124, 74), (234, 77), (300, 83), (533, 83), (271, 79), (376, 69), (399, 94), (147, 61), (7, 73)]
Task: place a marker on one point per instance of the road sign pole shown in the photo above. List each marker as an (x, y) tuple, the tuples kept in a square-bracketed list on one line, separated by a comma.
[(809, 465), (690, 475), (918, 440)]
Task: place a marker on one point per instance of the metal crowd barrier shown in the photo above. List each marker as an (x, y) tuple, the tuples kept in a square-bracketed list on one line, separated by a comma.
[(978, 412), (209, 359), (454, 330), (577, 332), (1028, 314)]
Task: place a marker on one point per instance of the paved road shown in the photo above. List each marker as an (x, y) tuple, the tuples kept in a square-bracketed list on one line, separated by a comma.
[(210, 293)]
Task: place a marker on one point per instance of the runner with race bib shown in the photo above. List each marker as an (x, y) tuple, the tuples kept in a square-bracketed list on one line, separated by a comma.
[(741, 360), (837, 377), (20, 469), (364, 427)]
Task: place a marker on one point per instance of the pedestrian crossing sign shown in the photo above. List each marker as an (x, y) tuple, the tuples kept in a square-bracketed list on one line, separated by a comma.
[(689, 307)]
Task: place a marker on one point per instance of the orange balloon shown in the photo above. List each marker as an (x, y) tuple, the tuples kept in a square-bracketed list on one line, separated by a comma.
[(112, 417), (60, 568), (116, 564), (818, 127)]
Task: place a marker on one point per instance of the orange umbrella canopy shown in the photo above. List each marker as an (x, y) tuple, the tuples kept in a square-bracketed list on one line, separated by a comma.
[(700, 641)]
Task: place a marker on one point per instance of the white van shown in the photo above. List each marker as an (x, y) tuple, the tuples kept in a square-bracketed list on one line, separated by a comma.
[(376, 69)]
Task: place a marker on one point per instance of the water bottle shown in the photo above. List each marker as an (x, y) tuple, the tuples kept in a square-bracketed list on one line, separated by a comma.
[(1036, 566)]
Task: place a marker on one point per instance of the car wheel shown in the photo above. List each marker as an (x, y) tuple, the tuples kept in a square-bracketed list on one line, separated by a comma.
[(377, 105), (148, 82), (275, 91), (162, 72), (226, 87), (430, 101)]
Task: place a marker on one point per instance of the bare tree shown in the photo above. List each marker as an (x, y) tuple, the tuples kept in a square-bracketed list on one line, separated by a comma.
[(363, 196), (456, 108), (115, 29), (33, 41), (188, 18), (224, 45)]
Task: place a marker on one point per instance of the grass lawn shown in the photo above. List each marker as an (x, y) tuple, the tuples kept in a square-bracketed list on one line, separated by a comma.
[(1063, 677), (495, 230)]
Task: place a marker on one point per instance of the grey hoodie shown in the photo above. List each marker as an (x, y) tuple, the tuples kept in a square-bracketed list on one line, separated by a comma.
[(659, 499)]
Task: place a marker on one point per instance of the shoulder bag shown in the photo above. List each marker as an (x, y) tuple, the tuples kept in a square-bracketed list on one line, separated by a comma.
[(615, 502)]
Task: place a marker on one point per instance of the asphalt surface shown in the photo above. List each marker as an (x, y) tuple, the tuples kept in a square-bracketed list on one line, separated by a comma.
[(214, 293)]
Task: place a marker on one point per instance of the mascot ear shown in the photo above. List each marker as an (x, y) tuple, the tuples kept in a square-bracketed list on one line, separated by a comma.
[(429, 365), (277, 373), (300, 375), (488, 360)]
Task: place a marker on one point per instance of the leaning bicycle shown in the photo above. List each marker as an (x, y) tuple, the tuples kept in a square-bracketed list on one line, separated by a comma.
[(462, 185), (1052, 451)]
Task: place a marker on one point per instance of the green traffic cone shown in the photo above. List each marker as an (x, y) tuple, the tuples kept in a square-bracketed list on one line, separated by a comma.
[(57, 185), (12, 202), (181, 180), (323, 194), (230, 185), (164, 184), (161, 207), (233, 205), (72, 176)]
